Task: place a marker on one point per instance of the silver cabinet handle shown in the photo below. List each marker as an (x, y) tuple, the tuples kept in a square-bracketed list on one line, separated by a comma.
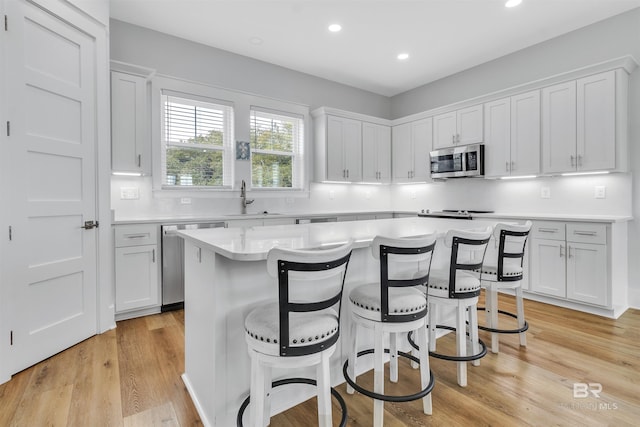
[(561, 251), (506, 166), (458, 138), (139, 160), (548, 230), (585, 233), (135, 236), (572, 160), (347, 173), (153, 256), (569, 253), (453, 139), (579, 160)]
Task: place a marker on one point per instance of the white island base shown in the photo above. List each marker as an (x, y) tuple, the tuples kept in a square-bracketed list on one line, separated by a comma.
[(226, 277)]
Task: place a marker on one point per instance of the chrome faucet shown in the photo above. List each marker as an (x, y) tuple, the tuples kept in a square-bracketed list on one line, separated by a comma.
[(243, 196)]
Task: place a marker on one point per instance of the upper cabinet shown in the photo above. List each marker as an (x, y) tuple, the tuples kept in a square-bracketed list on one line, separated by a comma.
[(376, 153), (350, 148), (411, 145), (512, 135), (582, 124), (458, 127), (130, 128)]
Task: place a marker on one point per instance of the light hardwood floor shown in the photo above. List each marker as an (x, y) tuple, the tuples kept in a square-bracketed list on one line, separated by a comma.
[(131, 377)]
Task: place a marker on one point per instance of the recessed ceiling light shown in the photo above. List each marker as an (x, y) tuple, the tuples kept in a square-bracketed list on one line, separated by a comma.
[(255, 40), (334, 28), (512, 3), (403, 56)]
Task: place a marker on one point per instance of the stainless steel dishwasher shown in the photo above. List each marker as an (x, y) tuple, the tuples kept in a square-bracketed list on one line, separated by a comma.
[(173, 263)]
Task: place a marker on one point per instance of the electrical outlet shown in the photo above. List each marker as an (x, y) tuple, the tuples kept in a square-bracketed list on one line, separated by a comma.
[(129, 193), (332, 195), (600, 192), (545, 192), (185, 200), (367, 195), (288, 200), (413, 194)]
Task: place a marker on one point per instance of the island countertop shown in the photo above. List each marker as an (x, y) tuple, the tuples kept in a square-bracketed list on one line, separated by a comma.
[(254, 243)]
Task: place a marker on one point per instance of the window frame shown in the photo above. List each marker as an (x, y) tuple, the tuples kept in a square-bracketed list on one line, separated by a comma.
[(298, 158)]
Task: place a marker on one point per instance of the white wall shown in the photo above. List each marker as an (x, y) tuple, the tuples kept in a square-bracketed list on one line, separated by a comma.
[(612, 38)]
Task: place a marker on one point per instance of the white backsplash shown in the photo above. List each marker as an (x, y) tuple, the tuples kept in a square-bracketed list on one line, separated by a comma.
[(568, 195)]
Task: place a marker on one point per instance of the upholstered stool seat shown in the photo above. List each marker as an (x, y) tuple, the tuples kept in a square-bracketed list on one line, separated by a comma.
[(459, 286), (503, 269), (395, 305), (300, 330)]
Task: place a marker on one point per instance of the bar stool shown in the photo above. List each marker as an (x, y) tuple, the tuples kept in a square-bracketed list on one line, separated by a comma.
[(504, 271), (301, 329), (459, 286), (395, 305)]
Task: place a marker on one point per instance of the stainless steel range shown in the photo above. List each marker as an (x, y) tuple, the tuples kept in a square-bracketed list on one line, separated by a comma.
[(452, 213)]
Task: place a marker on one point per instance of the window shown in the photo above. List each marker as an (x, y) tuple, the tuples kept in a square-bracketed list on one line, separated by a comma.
[(277, 141), (197, 137)]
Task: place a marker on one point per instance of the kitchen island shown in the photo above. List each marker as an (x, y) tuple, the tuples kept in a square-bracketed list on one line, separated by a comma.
[(226, 277)]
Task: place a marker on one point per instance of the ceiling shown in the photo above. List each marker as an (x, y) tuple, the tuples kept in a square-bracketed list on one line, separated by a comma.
[(442, 37)]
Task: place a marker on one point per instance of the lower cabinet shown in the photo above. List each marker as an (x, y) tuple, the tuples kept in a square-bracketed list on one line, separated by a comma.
[(137, 267), (571, 261)]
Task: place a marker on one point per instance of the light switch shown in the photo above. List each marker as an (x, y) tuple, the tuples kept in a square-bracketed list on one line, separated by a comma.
[(185, 200), (600, 192), (129, 193), (545, 192)]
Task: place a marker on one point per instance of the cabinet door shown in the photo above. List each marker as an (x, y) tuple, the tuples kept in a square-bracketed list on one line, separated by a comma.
[(587, 273), (559, 128), (376, 153), (402, 155), (352, 141), (421, 139), (130, 142), (497, 128), (548, 268), (444, 130), (469, 125), (336, 170), (596, 133), (525, 134), (136, 271)]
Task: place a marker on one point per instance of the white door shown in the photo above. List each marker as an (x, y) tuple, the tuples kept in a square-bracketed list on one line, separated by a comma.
[(421, 140), (596, 100), (525, 134), (444, 130), (548, 267), (51, 94), (402, 156), (369, 153), (497, 129), (587, 273), (559, 128), (336, 170), (469, 123), (352, 140)]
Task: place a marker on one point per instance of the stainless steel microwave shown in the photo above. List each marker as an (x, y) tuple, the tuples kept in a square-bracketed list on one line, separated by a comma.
[(458, 162)]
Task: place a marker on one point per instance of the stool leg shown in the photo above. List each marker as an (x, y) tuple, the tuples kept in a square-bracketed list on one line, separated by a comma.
[(425, 374), (415, 352), (266, 419), (324, 392), (520, 312), (353, 354), (257, 392), (461, 342), (393, 357), (473, 332), (378, 374), (493, 322), (433, 316)]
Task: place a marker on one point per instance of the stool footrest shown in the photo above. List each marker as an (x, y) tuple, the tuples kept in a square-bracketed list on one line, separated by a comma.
[(341, 402), (504, 331), (480, 355), (385, 397)]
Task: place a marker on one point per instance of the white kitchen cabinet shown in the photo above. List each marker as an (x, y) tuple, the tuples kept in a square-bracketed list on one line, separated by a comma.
[(579, 125), (512, 135), (458, 127), (137, 267), (411, 144), (571, 261), (344, 149), (376, 153), (130, 129)]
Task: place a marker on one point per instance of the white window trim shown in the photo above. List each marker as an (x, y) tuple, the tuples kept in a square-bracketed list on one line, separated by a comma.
[(299, 153)]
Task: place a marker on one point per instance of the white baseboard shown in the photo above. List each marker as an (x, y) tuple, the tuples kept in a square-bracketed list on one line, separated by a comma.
[(196, 402)]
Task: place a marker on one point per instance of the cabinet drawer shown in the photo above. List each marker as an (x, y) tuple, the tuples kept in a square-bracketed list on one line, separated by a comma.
[(587, 233), (548, 230), (135, 235)]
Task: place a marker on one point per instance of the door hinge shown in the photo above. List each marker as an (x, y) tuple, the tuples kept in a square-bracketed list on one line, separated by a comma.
[(11, 338), (10, 233)]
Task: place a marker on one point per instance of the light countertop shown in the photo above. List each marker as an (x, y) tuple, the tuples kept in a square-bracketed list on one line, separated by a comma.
[(253, 243)]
